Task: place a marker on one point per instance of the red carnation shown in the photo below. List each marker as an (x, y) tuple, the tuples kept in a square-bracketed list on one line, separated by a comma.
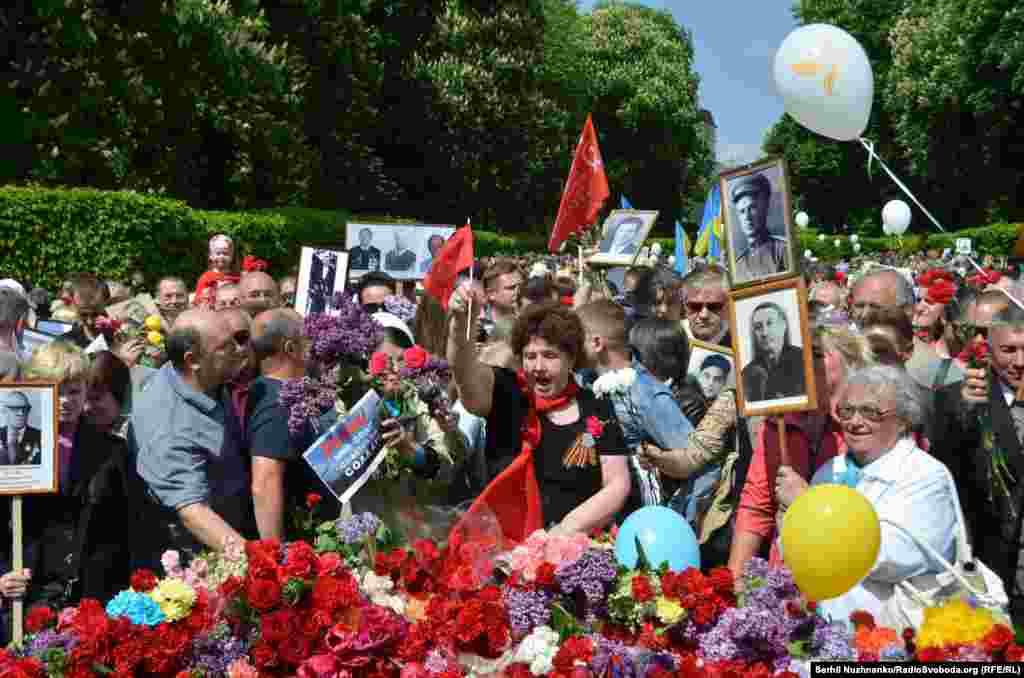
[(707, 610), (932, 654), (328, 563), (575, 649), (595, 427), (415, 358), (263, 655), (1014, 653), (862, 618), (389, 563), (426, 550), (380, 362), (672, 585), (812, 606), (143, 581), (941, 292), (722, 581), (518, 671), (39, 618), (302, 560), (545, 578), (793, 609), (934, 275), (295, 649), (29, 667), (278, 625), (996, 639), (263, 594), (692, 580), (975, 355), (312, 499), (642, 589), (230, 587), (335, 593)]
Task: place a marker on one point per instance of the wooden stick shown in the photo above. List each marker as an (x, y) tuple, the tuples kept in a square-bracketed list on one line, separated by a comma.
[(783, 449), (469, 306), (18, 608)]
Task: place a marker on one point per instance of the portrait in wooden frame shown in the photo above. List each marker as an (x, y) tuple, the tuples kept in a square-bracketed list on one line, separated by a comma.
[(711, 367), (29, 463), (758, 223), (622, 237), (772, 347)]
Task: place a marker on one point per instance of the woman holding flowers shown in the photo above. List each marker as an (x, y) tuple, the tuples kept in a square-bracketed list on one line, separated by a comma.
[(559, 450), (76, 542)]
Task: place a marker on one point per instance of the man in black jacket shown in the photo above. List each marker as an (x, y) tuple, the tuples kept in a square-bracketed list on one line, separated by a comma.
[(981, 443)]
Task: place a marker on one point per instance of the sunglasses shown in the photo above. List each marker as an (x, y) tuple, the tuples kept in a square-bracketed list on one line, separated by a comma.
[(867, 412), (696, 307)]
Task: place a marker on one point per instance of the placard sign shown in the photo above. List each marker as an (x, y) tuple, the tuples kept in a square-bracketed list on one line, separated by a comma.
[(346, 456), (963, 246)]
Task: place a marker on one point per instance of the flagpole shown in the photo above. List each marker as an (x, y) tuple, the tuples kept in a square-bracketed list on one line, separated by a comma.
[(469, 307)]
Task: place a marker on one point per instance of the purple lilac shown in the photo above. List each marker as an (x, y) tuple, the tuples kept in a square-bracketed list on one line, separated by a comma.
[(591, 574), (349, 336), (356, 529), (306, 399), (212, 655), (401, 308), (607, 651), (832, 642), (48, 640), (749, 633), (527, 609)]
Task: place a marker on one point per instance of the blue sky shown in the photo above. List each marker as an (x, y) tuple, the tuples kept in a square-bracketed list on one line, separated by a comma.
[(735, 44)]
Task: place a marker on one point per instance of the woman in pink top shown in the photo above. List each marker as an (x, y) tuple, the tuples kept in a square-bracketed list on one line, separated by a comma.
[(812, 438)]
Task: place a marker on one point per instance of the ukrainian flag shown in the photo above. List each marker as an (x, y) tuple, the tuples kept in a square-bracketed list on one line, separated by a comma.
[(709, 237), (682, 248)]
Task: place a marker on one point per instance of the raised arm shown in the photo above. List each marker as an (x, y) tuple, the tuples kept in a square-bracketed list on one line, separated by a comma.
[(475, 380)]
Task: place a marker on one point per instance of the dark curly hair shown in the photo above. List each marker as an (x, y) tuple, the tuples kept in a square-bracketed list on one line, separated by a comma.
[(552, 322)]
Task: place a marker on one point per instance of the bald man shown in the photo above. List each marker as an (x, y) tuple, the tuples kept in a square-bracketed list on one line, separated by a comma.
[(258, 293), (279, 476), (19, 442), (187, 441)]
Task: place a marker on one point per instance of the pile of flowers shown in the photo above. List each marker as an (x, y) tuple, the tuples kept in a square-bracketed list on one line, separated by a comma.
[(355, 604)]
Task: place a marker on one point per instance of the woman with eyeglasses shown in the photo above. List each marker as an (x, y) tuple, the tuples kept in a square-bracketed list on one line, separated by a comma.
[(812, 438), (911, 491)]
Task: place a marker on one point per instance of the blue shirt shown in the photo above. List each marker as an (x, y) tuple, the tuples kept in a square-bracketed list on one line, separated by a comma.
[(187, 445), (914, 490)]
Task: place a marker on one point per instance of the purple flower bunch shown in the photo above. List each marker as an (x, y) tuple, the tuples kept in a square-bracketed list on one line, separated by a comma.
[(527, 609), (44, 641), (307, 399), (213, 653), (357, 528), (592, 574), (347, 335), (401, 308), (615, 658)]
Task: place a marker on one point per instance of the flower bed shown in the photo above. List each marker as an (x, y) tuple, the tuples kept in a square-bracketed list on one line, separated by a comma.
[(351, 604)]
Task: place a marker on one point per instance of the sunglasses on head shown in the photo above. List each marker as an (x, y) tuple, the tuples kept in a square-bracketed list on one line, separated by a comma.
[(713, 307)]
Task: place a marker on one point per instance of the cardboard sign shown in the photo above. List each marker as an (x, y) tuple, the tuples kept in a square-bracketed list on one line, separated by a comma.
[(346, 456), (963, 246)]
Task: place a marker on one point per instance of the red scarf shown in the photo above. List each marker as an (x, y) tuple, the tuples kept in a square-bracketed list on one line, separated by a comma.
[(514, 496)]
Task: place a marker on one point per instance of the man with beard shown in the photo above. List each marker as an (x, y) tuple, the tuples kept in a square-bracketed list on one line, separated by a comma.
[(777, 370)]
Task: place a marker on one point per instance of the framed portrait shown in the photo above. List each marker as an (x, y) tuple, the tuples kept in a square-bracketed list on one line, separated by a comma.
[(772, 347), (28, 438), (322, 274), (622, 236), (403, 251), (34, 339), (758, 223), (711, 367), (54, 328)]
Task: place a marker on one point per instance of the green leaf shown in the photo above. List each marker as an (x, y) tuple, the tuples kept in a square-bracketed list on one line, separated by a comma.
[(799, 648), (642, 563)]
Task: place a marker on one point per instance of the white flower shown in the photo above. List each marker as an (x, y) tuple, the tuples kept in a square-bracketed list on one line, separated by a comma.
[(614, 382), (539, 270), (373, 584), (394, 603), (538, 650)]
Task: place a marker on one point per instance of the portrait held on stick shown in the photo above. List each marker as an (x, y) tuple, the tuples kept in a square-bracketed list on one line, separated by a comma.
[(322, 273), (758, 223), (403, 251), (28, 438), (623, 234), (771, 342)]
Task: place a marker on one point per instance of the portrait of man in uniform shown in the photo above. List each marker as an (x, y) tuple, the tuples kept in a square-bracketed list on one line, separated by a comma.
[(756, 205)]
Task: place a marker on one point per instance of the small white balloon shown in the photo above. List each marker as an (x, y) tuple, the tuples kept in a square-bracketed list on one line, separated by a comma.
[(825, 80), (821, 237), (854, 238), (802, 219), (896, 215), (656, 249), (837, 243), (808, 254), (671, 260)]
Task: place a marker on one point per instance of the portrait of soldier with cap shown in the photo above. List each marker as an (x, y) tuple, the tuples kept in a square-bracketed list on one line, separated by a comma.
[(759, 251), (19, 442)]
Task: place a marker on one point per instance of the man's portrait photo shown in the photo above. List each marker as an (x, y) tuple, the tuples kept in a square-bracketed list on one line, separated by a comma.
[(711, 368), (322, 274), (20, 443), (400, 258), (758, 224), (624, 233), (434, 244), (773, 348), (364, 256)]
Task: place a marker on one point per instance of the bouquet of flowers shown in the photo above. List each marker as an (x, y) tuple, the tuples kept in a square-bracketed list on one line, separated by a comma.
[(150, 333)]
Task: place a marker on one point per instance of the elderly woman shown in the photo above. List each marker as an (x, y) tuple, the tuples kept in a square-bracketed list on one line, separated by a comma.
[(77, 541), (812, 438), (910, 490), (559, 450)]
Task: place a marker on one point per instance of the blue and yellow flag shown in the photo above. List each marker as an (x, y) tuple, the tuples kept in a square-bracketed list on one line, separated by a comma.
[(709, 237), (682, 248), (625, 204)]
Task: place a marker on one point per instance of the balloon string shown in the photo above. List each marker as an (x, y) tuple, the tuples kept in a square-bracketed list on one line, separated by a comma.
[(870, 148)]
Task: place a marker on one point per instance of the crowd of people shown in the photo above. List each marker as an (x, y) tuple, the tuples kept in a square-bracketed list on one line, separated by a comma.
[(574, 404)]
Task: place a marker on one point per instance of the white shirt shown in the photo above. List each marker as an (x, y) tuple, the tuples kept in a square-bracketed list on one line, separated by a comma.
[(912, 489)]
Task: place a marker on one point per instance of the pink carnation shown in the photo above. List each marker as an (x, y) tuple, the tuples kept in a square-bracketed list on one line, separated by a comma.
[(241, 668), (66, 618), (566, 549), (171, 562)]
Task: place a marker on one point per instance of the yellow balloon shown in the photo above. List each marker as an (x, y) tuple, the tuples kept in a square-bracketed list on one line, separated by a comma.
[(830, 540)]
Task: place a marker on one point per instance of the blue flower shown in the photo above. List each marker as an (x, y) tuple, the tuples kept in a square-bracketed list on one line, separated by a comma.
[(138, 607)]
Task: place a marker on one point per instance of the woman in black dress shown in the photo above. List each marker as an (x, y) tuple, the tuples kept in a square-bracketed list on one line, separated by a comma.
[(556, 453)]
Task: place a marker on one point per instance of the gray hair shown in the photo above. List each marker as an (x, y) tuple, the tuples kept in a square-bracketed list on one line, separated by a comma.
[(13, 307), (911, 402), (278, 327), (904, 288), (710, 276)]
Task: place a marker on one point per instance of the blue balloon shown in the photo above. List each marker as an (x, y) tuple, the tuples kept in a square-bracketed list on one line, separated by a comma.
[(664, 535)]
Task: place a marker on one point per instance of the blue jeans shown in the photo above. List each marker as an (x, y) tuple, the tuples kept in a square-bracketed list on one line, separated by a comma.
[(694, 497)]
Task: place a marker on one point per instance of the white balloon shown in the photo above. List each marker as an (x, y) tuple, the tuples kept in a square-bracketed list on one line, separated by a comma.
[(854, 238), (825, 80), (802, 220), (821, 237), (896, 215), (656, 249), (837, 243), (808, 254), (671, 260)]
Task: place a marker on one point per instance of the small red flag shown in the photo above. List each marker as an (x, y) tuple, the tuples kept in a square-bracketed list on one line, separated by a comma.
[(586, 189), (456, 256)]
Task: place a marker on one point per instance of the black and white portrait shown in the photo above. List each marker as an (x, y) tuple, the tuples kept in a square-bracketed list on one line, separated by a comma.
[(434, 244), (757, 223), (28, 438), (773, 348), (400, 258), (711, 368), (624, 233), (322, 274), (364, 256)]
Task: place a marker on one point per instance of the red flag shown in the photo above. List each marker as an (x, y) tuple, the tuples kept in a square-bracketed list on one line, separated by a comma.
[(456, 256), (586, 189)]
